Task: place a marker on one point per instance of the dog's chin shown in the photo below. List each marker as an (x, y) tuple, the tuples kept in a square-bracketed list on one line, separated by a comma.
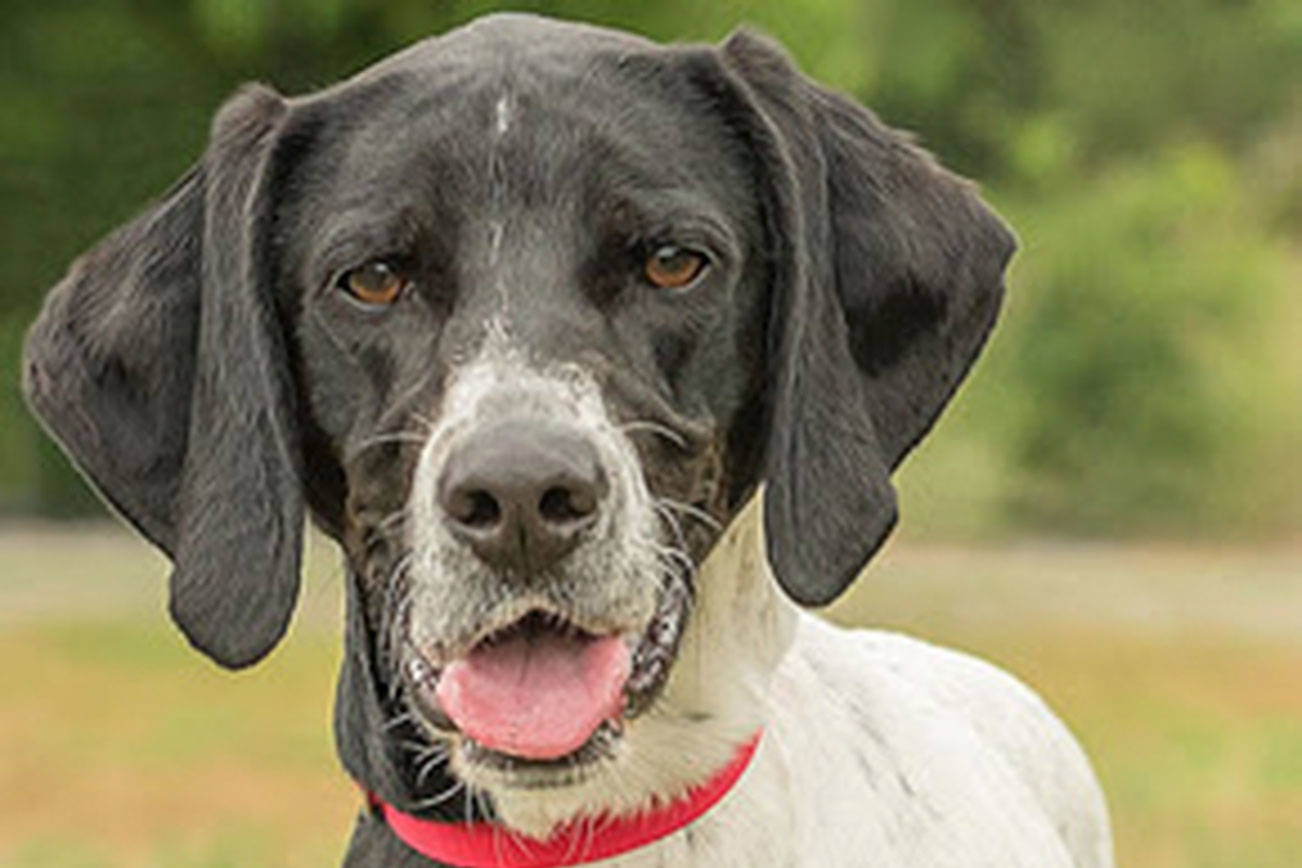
[(646, 653), (497, 771)]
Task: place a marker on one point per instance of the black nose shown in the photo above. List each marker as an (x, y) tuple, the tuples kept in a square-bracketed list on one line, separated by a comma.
[(521, 492)]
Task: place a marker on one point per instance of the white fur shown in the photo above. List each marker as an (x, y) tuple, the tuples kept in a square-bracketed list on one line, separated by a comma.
[(502, 112), (878, 749)]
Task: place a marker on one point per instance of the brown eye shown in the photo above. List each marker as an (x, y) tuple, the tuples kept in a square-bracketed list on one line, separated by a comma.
[(377, 283), (673, 267)]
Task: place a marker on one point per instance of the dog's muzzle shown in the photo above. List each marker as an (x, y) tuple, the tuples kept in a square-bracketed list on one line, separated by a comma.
[(546, 608), (520, 493)]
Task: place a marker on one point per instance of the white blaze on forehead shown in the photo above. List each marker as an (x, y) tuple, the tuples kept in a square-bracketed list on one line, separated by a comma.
[(502, 113)]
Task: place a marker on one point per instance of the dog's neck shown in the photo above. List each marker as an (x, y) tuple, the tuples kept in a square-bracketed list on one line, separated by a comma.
[(715, 699)]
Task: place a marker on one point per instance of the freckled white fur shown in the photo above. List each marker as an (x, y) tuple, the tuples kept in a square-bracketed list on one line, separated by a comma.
[(452, 592), (878, 749)]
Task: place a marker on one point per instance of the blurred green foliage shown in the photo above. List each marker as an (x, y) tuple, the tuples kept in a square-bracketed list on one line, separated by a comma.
[(1147, 375)]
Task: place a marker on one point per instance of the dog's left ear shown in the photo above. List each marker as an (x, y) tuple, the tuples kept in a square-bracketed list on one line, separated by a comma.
[(888, 275)]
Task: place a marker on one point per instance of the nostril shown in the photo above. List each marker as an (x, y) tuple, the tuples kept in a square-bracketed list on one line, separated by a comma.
[(561, 504), (475, 508), (521, 493)]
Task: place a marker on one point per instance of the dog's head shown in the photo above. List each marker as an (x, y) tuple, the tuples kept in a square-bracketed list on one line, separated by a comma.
[(524, 316)]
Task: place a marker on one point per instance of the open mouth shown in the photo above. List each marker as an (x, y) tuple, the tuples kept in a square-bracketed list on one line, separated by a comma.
[(543, 692)]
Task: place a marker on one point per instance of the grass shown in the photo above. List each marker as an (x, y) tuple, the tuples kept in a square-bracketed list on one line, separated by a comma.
[(1180, 670)]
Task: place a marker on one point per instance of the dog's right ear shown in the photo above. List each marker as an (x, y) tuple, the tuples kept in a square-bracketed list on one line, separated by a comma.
[(159, 365)]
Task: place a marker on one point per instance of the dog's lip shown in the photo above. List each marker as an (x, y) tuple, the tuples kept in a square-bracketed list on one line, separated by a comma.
[(599, 746), (652, 646)]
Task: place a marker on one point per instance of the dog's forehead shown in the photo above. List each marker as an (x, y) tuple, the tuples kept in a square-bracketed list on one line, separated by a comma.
[(541, 106)]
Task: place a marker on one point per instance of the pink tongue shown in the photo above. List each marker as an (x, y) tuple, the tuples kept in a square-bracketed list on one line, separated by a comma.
[(537, 697)]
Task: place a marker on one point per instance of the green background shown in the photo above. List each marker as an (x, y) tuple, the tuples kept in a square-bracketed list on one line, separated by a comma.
[(1145, 377), (1110, 509)]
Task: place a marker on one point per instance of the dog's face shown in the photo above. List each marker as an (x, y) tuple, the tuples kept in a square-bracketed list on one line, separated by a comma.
[(523, 315), (532, 419)]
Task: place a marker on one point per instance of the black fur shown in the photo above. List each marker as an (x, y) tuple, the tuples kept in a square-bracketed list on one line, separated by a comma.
[(159, 362), (200, 371), (889, 284)]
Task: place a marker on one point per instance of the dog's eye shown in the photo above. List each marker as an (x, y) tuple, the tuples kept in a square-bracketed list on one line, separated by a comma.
[(674, 267), (378, 283)]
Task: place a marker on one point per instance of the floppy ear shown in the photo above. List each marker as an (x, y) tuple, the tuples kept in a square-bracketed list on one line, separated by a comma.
[(160, 366), (888, 277)]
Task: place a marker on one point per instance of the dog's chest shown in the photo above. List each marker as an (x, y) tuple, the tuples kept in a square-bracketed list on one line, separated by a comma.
[(854, 772)]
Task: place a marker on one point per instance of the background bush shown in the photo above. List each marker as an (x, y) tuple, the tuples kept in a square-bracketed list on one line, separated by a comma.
[(1146, 376)]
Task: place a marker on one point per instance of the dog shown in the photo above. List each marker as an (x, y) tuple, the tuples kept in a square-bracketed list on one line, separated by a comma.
[(595, 356)]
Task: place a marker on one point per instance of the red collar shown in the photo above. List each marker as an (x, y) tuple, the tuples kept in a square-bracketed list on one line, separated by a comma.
[(487, 845)]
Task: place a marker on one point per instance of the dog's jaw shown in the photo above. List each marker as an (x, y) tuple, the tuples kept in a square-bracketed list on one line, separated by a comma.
[(714, 700)]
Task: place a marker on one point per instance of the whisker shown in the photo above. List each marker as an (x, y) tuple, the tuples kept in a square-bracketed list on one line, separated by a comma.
[(501, 831), (425, 752), (435, 801), (655, 428), (413, 746), (386, 524), (693, 511), (427, 765), (382, 439), (389, 652), (674, 556), (671, 520), (403, 397), (424, 420), (398, 720), (392, 637)]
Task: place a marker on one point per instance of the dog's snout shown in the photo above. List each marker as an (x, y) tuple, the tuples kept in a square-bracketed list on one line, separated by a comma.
[(520, 493)]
